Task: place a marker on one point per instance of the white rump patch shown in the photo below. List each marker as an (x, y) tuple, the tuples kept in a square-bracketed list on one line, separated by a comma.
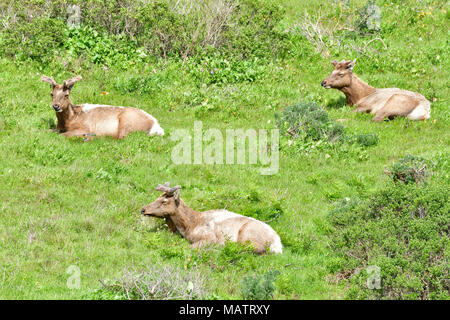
[(276, 246), (156, 128), (421, 112)]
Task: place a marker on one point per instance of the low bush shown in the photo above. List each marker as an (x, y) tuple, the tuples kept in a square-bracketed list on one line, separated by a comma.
[(401, 231), (308, 121), (259, 287), (39, 40), (101, 48), (410, 169), (217, 68)]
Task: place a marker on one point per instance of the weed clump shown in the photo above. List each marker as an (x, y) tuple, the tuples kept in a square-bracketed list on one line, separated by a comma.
[(367, 139), (309, 121), (410, 169), (259, 287)]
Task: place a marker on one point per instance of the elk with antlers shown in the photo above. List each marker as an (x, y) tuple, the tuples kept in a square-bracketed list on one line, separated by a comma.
[(89, 120), (213, 226), (384, 103)]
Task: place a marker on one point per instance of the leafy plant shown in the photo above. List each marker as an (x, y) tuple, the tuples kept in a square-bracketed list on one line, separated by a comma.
[(259, 287), (217, 68), (410, 169), (308, 121), (404, 231), (39, 40), (101, 48)]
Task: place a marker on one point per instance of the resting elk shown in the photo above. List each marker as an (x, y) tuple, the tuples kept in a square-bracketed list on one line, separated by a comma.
[(88, 120), (213, 226), (384, 103)]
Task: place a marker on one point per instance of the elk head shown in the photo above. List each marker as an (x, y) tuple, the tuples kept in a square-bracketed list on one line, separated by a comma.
[(341, 76), (166, 205), (60, 93)]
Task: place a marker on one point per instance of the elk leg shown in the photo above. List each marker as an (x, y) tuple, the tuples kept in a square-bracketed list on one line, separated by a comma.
[(76, 133), (122, 131), (363, 109)]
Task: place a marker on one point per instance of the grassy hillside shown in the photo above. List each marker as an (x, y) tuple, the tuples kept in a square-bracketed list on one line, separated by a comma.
[(66, 202)]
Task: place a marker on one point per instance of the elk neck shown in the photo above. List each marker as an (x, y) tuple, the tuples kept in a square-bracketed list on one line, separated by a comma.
[(357, 90), (185, 218), (65, 116)]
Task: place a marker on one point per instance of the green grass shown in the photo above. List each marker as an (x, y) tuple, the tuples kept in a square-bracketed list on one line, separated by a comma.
[(66, 202)]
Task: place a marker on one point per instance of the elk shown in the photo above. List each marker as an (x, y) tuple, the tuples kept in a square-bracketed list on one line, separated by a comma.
[(213, 226), (384, 103), (89, 120)]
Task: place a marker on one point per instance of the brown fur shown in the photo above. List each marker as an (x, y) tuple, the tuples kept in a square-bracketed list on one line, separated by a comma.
[(96, 120), (214, 226), (385, 103)]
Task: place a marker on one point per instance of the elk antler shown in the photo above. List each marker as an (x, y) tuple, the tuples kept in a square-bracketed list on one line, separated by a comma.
[(166, 189), (49, 80), (69, 83)]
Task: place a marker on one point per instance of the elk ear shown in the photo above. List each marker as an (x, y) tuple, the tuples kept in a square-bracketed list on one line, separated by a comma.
[(350, 64), (334, 63), (49, 80), (68, 84), (176, 197)]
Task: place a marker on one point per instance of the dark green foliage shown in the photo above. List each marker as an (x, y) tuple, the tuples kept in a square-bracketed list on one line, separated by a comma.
[(255, 32), (217, 68), (403, 230), (38, 40), (309, 121), (408, 169), (259, 287), (367, 140), (101, 48), (122, 33)]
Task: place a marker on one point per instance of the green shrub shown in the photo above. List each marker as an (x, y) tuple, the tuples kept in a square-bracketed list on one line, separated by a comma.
[(308, 121), (259, 287), (404, 231), (408, 169), (39, 40), (217, 68), (101, 48), (111, 31)]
